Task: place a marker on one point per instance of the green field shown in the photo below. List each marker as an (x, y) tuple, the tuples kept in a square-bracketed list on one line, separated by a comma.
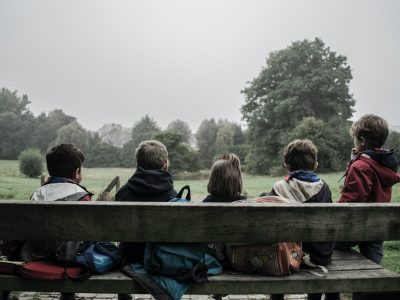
[(14, 186)]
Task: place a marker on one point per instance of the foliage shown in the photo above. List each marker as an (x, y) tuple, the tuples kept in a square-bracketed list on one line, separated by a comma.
[(46, 128), (16, 123), (182, 128), (103, 155), (180, 155), (31, 162), (205, 136), (307, 79), (74, 133), (333, 146), (145, 129), (393, 142)]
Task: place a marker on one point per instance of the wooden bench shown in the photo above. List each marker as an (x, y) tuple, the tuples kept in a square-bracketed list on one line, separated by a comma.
[(200, 222)]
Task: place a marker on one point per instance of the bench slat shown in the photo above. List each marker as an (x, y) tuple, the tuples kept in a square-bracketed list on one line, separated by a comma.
[(345, 275), (198, 222)]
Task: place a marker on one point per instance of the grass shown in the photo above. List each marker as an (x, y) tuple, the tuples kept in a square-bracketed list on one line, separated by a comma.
[(13, 185)]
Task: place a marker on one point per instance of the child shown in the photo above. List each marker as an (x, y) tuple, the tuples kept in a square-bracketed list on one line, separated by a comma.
[(64, 164), (225, 183), (302, 185), (370, 174), (151, 182)]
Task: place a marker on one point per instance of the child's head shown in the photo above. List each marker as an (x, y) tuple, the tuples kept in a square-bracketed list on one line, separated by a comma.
[(65, 160), (301, 155), (152, 155), (226, 177), (369, 132)]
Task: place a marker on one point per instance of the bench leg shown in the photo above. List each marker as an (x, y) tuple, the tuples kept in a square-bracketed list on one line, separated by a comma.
[(4, 295)]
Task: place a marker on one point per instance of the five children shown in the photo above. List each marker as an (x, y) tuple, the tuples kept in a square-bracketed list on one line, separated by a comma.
[(369, 178)]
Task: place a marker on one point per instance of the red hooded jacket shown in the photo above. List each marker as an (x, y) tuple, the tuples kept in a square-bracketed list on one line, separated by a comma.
[(368, 181)]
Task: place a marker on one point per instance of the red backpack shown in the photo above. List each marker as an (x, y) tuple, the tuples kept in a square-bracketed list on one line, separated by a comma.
[(49, 270)]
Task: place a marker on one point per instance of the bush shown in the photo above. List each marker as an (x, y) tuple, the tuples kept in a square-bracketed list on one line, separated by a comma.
[(31, 162)]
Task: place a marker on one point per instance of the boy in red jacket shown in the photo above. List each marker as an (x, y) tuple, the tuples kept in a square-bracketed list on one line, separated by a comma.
[(370, 176)]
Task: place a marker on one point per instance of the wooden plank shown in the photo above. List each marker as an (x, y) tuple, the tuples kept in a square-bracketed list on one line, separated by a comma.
[(198, 222), (342, 281)]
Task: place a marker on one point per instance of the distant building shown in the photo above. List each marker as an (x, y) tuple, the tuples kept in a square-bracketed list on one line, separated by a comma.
[(395, 128)]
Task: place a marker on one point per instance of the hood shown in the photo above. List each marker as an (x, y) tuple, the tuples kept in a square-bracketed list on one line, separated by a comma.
[(57, 191), (387, 176), (297, 190), (150, 181), (384, 157)]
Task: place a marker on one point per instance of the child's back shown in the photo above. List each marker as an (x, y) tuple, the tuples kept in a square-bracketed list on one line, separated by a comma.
[(151, 182)]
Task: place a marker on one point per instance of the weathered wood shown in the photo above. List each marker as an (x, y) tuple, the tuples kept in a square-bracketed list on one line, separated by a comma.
[(303, 282), (198, 222)]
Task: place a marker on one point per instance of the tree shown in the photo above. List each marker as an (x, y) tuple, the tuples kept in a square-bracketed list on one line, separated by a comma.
[(74, 133), (393, 142), (145, 129), (31, 162), (182, 128), (333, 146), (206, 136), (47, 126), (16, 123), (103, 155), (307, 79), (181, 156)]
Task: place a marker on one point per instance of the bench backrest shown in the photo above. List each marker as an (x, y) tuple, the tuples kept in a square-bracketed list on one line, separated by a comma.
[(198, 222)]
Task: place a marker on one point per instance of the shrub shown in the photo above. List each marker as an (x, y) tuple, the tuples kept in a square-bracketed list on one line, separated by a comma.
[(31, 162)]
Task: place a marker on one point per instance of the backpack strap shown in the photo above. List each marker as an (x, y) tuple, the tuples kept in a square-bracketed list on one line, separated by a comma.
[(74, 197), (188, 195)]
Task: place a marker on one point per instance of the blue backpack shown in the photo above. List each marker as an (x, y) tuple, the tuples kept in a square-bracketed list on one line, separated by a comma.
[(184, 262), (99, 257)]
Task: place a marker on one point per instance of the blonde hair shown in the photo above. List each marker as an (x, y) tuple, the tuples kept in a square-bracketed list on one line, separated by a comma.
[(151, 155), (226, 177), (372, 128), (301, 155)]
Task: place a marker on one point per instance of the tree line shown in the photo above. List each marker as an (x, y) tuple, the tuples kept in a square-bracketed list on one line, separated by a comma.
[(301, 92)]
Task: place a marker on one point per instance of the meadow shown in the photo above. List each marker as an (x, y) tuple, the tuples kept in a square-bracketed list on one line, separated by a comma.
[(13, 185)]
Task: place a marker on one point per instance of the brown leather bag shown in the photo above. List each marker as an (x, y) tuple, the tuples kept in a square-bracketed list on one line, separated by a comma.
[(278, 259)]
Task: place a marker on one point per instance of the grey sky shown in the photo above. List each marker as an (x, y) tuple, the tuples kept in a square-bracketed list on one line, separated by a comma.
[(115, 61)]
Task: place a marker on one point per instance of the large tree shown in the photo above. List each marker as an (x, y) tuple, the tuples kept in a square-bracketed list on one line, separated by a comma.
[(307, 79)]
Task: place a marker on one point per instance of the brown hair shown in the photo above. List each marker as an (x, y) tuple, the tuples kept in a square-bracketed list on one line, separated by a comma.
[(300, 155), (372, 128), (226, 177), (151, 155), (63, 160)]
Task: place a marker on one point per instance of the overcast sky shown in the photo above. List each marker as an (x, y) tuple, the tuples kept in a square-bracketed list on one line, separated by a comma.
[(115, 61)]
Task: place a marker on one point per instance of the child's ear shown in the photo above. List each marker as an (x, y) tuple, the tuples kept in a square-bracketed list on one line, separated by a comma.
[(165, 166), (78, 175), (316, 165)]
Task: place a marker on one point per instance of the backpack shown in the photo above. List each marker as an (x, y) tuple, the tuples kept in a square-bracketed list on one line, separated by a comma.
[(182, 261), (179, 196), (276, 259), (99, 257), (50, 271)]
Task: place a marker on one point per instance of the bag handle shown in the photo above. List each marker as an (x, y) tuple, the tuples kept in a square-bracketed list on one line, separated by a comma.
[(188, 195), (307, 262)]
